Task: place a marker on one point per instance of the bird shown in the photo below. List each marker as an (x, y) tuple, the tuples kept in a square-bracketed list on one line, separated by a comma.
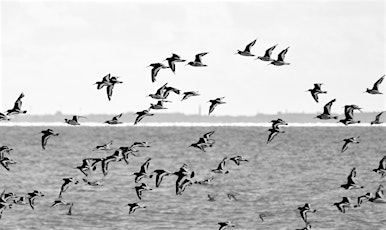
[(114, 120), (158, 106), (74, 120), (172, 60), (247, 50), (304, 210), (238, 159), (204, 142), (32, 196), (93, 183), (141, 115), (351, 184), (197, 61), (107, 160), (273, 133), (140, 188), (267, 55), (183, 185), (4, 117), (46, 135), (214, 103), (280, 58), (224, 225), (169, 89), (105, 81), (5, 162), (382, 167), (140, 144), (88, 164), (143, 172), (17, 107), (277, 122), (205, 181), (327, 112), (375, 89), (59, 202), (261, 216), (349, 115), (22, 200), (348, 141), (362, 198), (160, 93), (189, 94), (156, 68), (232, 196), (220, 167), (182, 174), (316, 90), (4, 149), (134, 206), (66, 184), (346, 202), (160, 174), (106, 146), (376, 121)]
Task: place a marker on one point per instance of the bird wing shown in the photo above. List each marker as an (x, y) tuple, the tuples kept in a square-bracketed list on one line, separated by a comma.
[(106, 78), (139, 118), (208, 134), (161, 90), (377, 83), (18, 102), (378, 116), (117, 117), (382, 163), (249, 46), (212, 107), (145, 166), (317, 86), (327, 107), (349, 113), (172, 65), (315, 96), (175, 57), (154, 73), (109, 91), (198, 57), (44, 140), (271, 136), (281, 55), (268, 52), (344, 147)]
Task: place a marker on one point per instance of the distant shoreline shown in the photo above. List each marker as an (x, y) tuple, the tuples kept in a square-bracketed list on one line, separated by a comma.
[(181, 124)]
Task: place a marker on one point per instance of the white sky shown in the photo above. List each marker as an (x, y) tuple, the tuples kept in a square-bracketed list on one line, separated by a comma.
[(55, 51)]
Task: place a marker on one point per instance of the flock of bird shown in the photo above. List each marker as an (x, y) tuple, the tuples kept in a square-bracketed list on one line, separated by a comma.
[(183, 176)]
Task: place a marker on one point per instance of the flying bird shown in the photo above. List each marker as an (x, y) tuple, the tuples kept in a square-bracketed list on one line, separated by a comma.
[(32, 196), (375, 89), (140, 188), (327, 112), (197, 61), (141, 115), (17, 107), (376, 121), (4, 117), (220, 167), (351, 184), (348, 141), (160, 174), (346, 202), (315, 91), (214, 103), (74, 120), (349, 115), (172, 60), (267, 55), (304, 210), (114, 120), (280, 58), (247, 50), (382, 167), (106, 146), (46, 135), (66, 184), (134, 206), (189, 94), (224, 225), (156, 68)]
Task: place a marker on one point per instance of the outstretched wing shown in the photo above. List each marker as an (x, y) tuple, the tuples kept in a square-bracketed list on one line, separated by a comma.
[(198, 57), (377, 83), (268, 52), (249, 46), (154, 73), (282, 54), (327, 107), (117, 117)]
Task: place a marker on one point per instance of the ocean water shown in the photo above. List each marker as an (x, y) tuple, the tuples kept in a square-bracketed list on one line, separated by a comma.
[(302, 165)]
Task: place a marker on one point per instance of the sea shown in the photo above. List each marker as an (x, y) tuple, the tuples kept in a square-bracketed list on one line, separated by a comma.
[(302, 165)]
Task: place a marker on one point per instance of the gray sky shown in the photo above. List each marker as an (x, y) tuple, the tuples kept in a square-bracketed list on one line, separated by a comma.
[(55, 51)]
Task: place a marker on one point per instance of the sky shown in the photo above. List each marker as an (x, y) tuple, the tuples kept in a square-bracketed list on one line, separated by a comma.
[(55, 51)]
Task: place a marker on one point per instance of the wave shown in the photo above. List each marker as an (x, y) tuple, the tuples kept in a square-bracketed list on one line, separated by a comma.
[(184, 124)]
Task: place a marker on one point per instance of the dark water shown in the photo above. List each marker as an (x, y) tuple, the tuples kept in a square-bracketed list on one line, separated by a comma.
[(302, 165)]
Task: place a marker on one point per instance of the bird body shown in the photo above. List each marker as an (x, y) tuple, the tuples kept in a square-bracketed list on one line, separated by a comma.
[(375, 89), (377, 119), (316, 90), (214, 103), (74, 120), (247, 50), (267, 55), (172, 60), (17, 107), (141, 115), (280, 58), (197, 61), (326, 115), (189, 94), (114, 120)]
